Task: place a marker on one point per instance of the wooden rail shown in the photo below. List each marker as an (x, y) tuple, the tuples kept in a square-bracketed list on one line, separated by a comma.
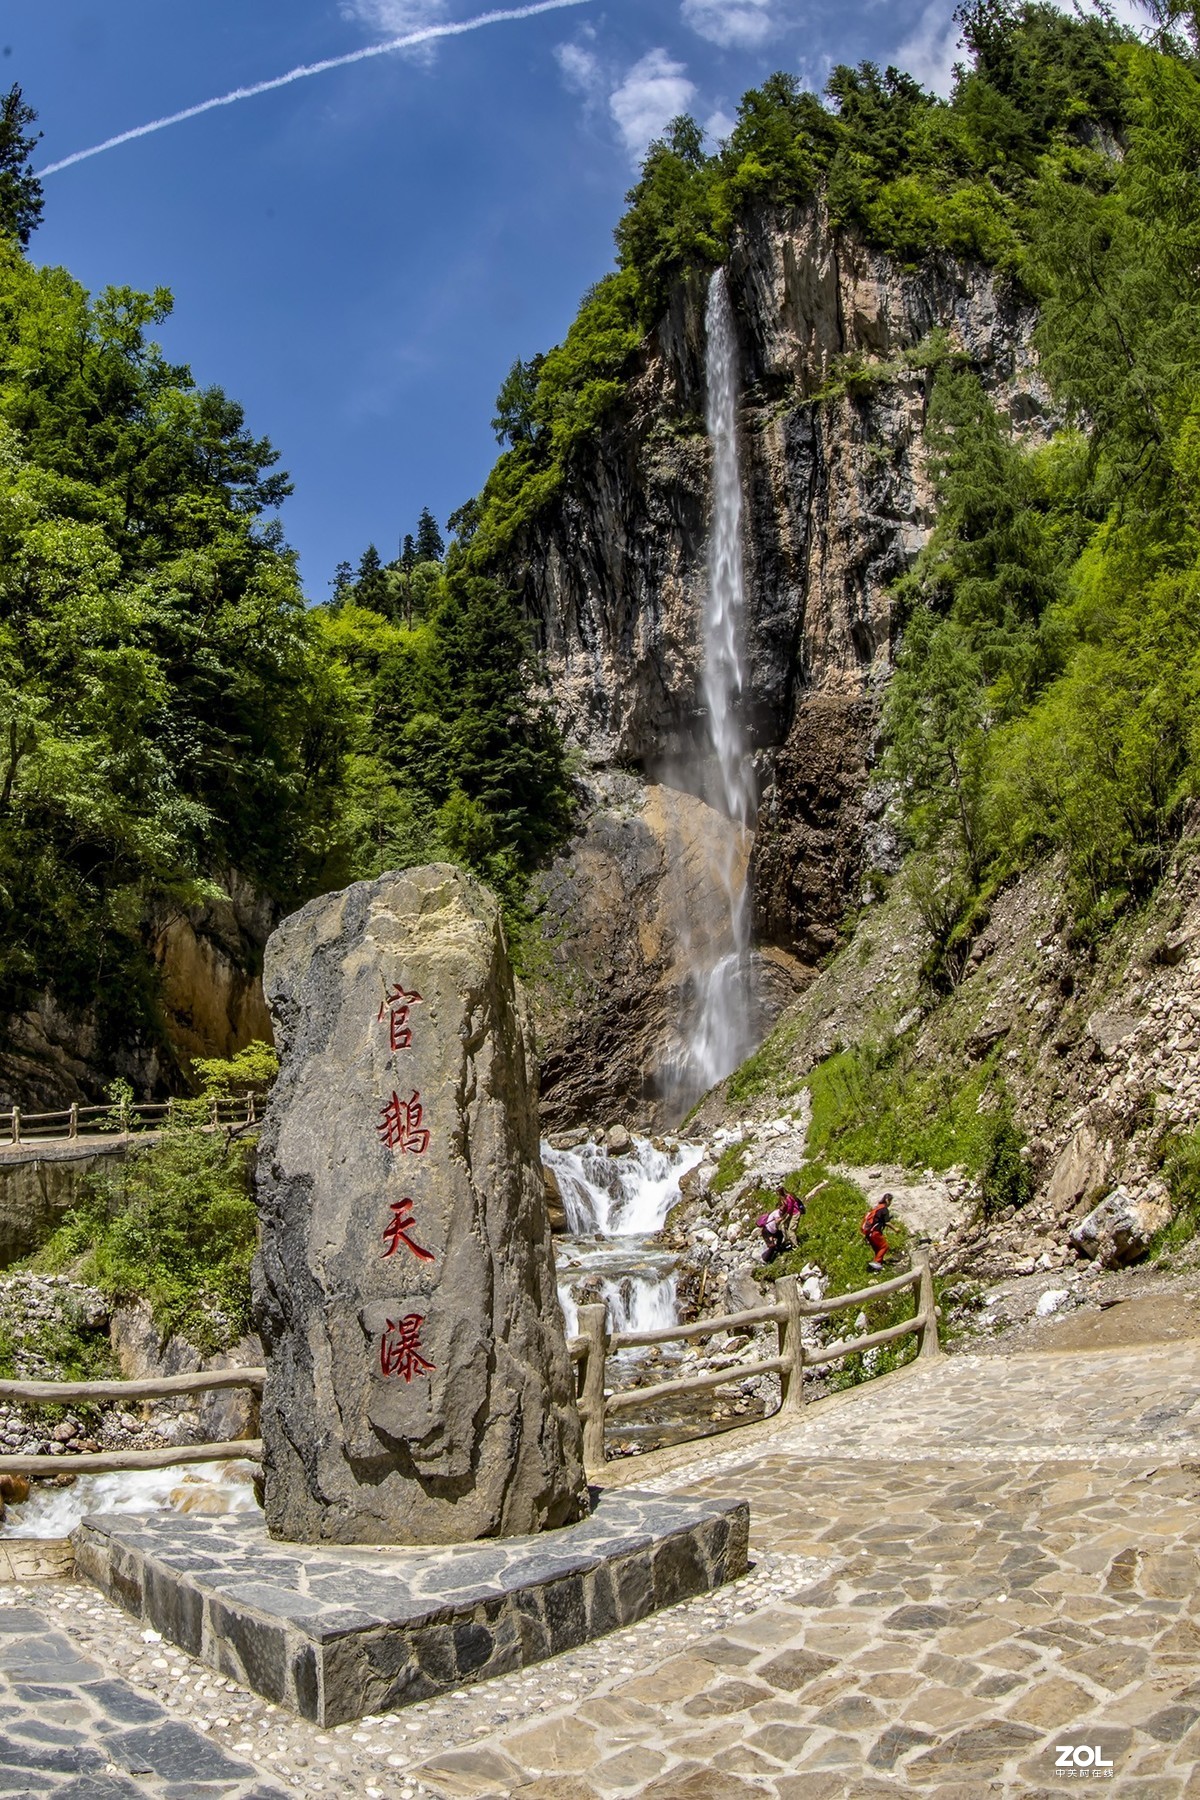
[(594, 1344), (140, 1115), (108, 1462)]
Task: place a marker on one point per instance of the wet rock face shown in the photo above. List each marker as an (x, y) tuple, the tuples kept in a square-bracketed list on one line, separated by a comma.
[(837, 504), (837, 501), (810, 848), (418, 1387), (626, 916)]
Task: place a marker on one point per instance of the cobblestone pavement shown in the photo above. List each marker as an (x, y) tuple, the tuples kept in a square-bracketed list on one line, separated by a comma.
[(68, 1728), (961, 1568)]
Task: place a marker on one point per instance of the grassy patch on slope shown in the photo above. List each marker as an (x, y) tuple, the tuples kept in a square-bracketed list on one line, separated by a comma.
[(830, 1235)]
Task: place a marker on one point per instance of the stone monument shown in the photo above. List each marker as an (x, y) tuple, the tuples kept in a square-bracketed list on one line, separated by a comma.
[(418, 1389)]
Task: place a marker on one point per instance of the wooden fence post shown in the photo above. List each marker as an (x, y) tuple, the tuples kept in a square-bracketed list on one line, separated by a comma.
[(73, 1127), (16, 1124), (927, 1306), (791, 1345), (214, 1117), (593, 1325)]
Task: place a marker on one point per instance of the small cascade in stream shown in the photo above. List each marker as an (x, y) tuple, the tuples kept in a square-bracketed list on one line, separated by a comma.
[(615, 1205), (718, 1029)]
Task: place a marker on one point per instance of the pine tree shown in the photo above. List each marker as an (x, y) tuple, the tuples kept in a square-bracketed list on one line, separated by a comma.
[(371, 586), (20, 189), (342, 583), (430, 547), (408, 553)]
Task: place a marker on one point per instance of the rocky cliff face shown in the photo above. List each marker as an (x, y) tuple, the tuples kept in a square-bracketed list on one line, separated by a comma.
[(834, 343), (208, 961)]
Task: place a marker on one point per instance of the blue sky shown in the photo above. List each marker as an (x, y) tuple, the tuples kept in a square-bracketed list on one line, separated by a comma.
[(359, 256)]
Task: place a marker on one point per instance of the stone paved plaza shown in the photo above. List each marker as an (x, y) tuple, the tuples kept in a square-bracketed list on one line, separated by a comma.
[(962, 1567)]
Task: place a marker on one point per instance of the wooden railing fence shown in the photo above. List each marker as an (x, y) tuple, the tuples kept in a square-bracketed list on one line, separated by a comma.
[(589, 1350), (594, 1344), (107, 1462), (140, 1115)]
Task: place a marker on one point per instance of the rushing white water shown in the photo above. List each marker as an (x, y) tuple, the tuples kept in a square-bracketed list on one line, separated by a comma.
[(54, 1512), (718, 1028), (614, 1204), (619, 1196)]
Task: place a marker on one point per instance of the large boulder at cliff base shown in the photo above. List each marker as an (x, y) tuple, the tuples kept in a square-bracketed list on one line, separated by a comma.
[(418, 1384), (1119, 1230)]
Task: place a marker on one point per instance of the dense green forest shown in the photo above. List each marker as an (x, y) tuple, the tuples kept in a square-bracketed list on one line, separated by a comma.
[(171, 709)]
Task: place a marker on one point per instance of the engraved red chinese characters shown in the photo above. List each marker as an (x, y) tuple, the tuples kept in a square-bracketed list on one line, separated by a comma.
[(400, 1127), (400, 1348), (397, 1230), (396, 1004)]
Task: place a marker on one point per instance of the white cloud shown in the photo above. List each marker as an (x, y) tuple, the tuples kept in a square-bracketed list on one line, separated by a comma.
[(655, 91), (933, 49), (718, 126), (579, 66), (733, 24)]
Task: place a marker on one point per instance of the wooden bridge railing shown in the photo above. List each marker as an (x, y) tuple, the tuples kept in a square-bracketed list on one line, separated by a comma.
[(594, 1344), (139, 1115), (107, 1462)]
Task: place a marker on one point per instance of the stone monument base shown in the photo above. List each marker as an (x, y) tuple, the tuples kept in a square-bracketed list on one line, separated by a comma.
[(335, 1633)]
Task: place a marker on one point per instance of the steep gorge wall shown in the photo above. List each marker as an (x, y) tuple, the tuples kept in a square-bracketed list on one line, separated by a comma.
[(207, 962), (837, 506)]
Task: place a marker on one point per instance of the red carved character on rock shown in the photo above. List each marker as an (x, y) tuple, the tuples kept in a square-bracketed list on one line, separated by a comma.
[(400, 1348), (396, 1004), (399, 1126), (397, 1232)]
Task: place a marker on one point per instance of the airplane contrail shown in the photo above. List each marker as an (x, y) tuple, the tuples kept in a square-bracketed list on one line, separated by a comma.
[(426, 34)]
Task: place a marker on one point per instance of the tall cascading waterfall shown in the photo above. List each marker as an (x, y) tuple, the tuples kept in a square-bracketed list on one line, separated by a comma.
[(718, 1028)]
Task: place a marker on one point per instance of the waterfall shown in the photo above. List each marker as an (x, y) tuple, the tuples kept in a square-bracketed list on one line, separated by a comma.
[(614, 1205), (718, 1028), (619, 1196), (724, 612)]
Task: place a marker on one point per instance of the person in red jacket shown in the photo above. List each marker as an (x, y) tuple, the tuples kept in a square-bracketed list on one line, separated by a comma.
[(872, 1230)]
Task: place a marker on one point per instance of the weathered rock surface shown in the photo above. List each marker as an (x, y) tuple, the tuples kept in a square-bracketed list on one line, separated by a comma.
[(626, 917), (419, 1389), (38, 1184), (1119, 1230), (837, 503), (208, 960)]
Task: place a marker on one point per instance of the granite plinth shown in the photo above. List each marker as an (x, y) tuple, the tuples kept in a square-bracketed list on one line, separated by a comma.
[(336, 1633)]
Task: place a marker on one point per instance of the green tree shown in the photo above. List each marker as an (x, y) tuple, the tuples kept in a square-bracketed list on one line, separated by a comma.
[(515, 421), (20, 189), (370, 581), (429, 545)]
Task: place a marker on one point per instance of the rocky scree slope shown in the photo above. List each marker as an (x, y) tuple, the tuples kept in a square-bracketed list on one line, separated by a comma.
[(835, 346), (1092, 1050)]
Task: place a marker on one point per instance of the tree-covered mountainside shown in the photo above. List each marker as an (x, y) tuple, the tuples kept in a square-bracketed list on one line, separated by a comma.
[(1047, 694), (913, 173), (172, 711), (1048, 660)]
